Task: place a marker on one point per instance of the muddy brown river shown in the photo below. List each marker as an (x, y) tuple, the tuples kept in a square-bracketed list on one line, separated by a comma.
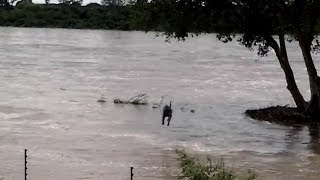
[(51, 80)]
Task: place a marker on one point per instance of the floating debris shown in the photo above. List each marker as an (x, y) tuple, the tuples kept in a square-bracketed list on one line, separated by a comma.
[(102, 99), (118, 101), (154, 106), (141, 99), (193, 111)]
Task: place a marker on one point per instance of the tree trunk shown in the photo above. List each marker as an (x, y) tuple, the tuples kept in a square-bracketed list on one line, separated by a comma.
[(313, 108), (281, 53), (285, 65)]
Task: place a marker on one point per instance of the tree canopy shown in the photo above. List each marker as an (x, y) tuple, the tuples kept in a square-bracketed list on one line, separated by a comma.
[(112, 2), (265, 24), (4, 3), (68, 14)]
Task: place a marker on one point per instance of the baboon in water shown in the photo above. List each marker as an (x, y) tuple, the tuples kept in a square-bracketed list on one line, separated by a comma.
[(167, 113)]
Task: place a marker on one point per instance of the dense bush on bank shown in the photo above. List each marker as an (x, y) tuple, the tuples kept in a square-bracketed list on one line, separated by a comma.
[(96, 16), (92, 16), (194, 169)]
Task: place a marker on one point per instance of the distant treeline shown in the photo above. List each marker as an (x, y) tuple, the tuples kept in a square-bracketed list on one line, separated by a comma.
[(115, 14), (110, 14), (67, 14)]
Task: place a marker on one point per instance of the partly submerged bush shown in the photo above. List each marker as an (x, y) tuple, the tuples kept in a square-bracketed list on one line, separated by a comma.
[(194, 169)]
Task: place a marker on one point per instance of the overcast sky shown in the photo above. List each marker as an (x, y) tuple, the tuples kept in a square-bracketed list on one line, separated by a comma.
[(56, 1)]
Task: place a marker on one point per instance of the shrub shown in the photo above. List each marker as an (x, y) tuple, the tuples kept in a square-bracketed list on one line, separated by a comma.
[(194, 169)]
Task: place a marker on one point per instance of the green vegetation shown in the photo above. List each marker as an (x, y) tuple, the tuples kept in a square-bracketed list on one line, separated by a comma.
[(68, 14), (193, 169), (262, 24)]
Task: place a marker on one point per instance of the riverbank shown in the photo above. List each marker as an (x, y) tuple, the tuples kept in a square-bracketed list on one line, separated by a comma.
[(91, 16), (279, 114)]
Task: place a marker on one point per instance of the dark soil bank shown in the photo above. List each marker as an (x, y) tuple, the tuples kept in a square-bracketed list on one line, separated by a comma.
[(279, 114)]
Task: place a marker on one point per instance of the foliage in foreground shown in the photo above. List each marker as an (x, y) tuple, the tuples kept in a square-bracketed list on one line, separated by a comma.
[(194, 169)]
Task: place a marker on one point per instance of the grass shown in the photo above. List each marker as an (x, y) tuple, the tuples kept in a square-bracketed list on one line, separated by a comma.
[(194, 169)]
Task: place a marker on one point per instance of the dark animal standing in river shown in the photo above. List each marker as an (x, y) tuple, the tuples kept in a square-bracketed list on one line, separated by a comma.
[(167, 113)]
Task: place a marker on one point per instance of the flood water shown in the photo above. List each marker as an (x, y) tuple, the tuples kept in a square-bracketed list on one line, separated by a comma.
[(51, 80)]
